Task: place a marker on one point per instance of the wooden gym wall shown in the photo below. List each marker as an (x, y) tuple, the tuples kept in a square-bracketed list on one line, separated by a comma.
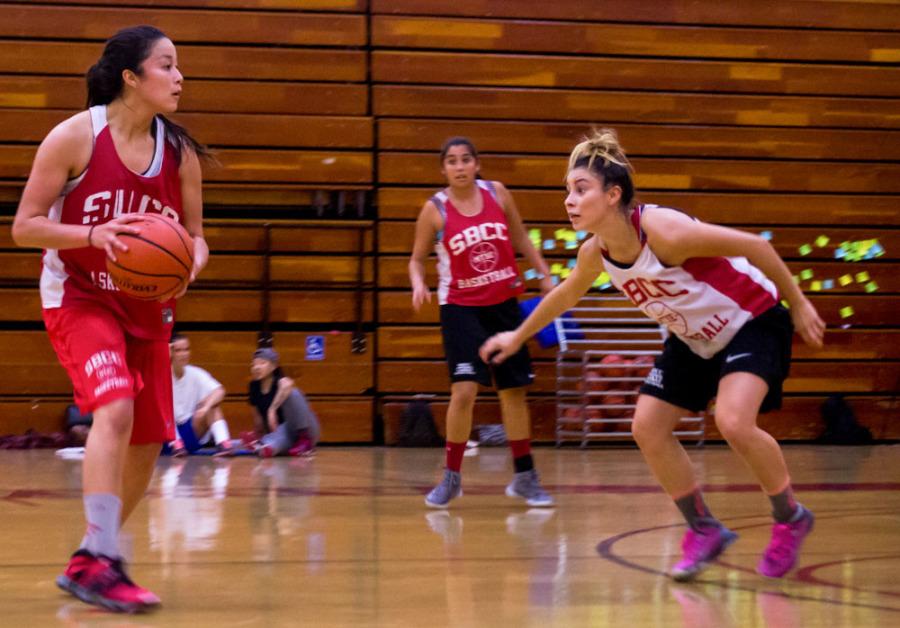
[(777, 117)]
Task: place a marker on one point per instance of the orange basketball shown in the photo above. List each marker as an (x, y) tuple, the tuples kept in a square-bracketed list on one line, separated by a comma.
[(158, 262)]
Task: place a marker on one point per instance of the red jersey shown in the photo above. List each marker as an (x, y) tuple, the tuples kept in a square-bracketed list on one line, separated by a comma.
[(105, 190), (476, 261)]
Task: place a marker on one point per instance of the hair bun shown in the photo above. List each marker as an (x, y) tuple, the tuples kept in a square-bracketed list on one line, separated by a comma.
[(601, 144)]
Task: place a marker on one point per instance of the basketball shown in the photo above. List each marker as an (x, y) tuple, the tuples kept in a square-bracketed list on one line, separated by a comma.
[(611, 366), (158, 261)]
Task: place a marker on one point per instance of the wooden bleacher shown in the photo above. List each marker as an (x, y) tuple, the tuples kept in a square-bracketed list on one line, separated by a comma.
[(765, 116)]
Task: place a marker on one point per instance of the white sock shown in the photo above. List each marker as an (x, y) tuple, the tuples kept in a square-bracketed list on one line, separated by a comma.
[(219, 431), (102, 511)]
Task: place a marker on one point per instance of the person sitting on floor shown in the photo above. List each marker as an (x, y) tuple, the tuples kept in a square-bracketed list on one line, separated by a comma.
[(197, 398), (280, 411)]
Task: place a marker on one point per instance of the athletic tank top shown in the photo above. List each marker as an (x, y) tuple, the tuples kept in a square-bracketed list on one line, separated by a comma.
[(704, 301), (105, 190), (476, 261)]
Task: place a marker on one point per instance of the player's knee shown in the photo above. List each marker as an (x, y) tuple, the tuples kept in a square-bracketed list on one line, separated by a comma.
[(733, 425), (646, 435), (464, 396), (115, 418)]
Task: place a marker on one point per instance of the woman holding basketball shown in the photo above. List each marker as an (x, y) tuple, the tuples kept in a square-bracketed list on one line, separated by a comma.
[(718, 291), (473, 225), (93, 175)]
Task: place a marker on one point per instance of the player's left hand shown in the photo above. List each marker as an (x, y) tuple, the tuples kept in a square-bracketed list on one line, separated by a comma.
[(499, 347), (201, 257), (808, 323)]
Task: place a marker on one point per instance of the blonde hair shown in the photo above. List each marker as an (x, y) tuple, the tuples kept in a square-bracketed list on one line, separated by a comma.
[(601, 153), (601, 144)]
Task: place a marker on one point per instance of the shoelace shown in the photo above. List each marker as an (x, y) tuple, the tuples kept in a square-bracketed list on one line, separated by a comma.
[(695, 541), (108, 577), (119, 566), (692, 542), (532, 487), (782, 541)]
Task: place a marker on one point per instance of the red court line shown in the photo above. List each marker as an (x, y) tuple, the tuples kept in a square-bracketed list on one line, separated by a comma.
[(17, 495)]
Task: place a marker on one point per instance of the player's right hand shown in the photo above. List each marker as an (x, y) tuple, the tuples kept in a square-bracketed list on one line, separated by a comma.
[(105, 236), (499, 347), (420, 295)]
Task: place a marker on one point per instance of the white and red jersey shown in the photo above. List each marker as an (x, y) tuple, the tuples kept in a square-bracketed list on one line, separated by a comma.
[(105, 190), (476, 261), (704, 301)]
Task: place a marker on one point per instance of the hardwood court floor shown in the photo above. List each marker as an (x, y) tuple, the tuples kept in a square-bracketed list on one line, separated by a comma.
[(344, 540)]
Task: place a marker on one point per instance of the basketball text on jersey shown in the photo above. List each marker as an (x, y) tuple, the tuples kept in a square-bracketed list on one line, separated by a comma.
[(107, 204), (488, 278), (102, 280)]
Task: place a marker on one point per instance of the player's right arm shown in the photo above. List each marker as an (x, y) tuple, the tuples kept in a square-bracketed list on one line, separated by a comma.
[(427, 226), (64, 154), (563, 297)]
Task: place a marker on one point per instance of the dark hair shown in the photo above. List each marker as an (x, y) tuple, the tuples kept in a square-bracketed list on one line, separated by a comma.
[(127, 50), (458, 140), (602, 154), (176, 336)]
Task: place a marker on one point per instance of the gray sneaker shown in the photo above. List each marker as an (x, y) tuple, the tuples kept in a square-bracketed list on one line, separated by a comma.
[(527, 486), (449, 488)]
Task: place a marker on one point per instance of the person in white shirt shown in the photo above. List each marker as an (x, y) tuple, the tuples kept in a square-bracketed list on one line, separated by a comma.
[(197, 398)]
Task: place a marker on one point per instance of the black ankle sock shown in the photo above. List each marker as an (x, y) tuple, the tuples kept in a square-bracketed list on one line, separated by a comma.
[(694, 510), (523, 463), (784, 506)]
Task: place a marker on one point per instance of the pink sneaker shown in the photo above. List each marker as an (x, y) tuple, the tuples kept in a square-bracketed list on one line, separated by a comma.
[(227, 449), (784, 548), (265, 451), (303, 447), (701, 547), (178, 449), (103, 582)]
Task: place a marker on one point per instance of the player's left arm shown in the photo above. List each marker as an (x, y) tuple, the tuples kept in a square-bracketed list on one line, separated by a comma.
[(192, 207), (519, 237), (285, 386), (213, 399), (675, 237)]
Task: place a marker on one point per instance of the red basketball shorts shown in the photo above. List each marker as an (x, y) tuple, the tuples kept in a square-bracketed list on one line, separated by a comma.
[(106, 365)]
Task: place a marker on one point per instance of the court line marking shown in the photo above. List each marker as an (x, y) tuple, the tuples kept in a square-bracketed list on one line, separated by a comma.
[(21, 496)]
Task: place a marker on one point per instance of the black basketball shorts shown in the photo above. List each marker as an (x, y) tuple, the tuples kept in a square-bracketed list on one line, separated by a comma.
[(762, 347), (466, 327)]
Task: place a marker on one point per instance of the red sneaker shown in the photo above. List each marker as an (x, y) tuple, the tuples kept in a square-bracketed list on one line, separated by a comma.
[(102, 581), (178, 449), (227, 449), (303, 447)]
